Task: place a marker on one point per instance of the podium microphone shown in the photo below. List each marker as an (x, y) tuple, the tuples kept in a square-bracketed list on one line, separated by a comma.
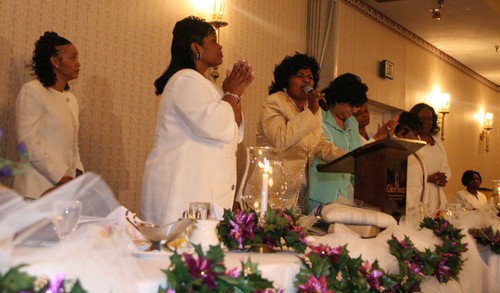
[(322, 104)]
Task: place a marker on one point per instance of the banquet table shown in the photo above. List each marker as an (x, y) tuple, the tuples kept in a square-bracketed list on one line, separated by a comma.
[(114, 264)]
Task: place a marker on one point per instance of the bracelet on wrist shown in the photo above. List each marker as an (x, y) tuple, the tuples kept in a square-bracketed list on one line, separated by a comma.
[(238, 99)]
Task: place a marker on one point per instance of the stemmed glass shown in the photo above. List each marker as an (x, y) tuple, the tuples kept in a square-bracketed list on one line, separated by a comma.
[(67, 218)]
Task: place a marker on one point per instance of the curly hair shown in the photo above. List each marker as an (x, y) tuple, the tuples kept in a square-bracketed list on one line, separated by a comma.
[(46, 47), (468, 176), (346, 88), (289, 66), (422, 106), (186, 31)]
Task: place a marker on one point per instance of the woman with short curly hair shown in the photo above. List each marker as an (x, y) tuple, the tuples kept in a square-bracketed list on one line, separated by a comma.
[(291, 121), (47, 117)]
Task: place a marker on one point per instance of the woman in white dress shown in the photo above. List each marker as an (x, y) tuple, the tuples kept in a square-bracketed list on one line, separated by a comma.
[(435, 157), (47, 118), (470, 197), (197, 130)]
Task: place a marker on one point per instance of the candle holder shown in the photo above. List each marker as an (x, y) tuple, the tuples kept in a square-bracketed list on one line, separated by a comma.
[(263, 183)]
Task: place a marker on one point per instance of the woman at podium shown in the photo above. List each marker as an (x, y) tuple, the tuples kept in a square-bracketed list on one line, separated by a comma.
[(344, 95)]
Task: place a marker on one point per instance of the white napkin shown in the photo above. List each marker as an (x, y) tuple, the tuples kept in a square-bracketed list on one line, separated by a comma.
[(339, 213)]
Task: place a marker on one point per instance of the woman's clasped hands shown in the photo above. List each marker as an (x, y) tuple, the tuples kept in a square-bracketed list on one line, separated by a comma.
[(239, 78)]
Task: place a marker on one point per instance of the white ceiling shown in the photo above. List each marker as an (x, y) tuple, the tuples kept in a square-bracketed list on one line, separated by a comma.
[(468, 30)]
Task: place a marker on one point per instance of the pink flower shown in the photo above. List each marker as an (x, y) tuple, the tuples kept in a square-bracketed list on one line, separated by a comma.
[(233, 273), (371, 275), (201, 269), (314, 285), (242, 227)]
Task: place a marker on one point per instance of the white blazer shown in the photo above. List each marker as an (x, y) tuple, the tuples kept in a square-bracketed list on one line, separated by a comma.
[(194, 154), (47, 123)]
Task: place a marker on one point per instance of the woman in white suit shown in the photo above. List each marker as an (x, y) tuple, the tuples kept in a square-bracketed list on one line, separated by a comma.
[(47, 118), (197, 130), (435, 156)]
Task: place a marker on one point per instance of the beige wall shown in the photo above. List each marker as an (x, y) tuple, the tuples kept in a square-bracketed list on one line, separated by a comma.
[(363, 42), (124, 45)]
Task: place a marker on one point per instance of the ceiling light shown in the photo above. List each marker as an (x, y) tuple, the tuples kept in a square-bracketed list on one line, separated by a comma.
[(436, 14)]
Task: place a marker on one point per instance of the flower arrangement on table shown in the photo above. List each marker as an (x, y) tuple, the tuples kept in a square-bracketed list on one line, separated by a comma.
[(487, 237), (278, 229), (207, 273), (16, 281), (10, 168), (327, 269)]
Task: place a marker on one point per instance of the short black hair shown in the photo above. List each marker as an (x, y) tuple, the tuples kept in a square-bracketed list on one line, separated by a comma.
[(346, 88), (289, 66), (468, 176), (409, 120), (421, 106)]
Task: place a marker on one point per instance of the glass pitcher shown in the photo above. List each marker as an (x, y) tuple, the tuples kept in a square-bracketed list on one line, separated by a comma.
[(263, 183)]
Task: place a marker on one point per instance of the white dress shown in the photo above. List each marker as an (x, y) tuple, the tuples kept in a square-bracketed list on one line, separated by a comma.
[(194, 154), (416, 183), (436, 161), (47, 123), (468, 199)]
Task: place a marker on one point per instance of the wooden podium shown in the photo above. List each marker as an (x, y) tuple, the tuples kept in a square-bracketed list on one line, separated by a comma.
[(380, 172)]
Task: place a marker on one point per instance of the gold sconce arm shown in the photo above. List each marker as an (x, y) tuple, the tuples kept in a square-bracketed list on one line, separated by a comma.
[(485, 135), (442, 124), (217, 25)]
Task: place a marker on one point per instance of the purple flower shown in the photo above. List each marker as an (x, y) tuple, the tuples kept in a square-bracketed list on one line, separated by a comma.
[(201, 269), (371, 275), (242, 227), (56, 285), (415, 268), (442, 270), (6, 171), (233, 273), (21, 148), (169, 290), (314, 285)]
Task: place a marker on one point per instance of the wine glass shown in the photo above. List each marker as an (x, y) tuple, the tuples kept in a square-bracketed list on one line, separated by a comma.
[(67, 217)]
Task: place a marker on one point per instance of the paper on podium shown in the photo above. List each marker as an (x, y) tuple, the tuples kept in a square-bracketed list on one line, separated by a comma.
[(346, 163)]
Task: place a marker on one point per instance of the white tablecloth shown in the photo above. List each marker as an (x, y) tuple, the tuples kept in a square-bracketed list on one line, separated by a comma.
[(108, 263)]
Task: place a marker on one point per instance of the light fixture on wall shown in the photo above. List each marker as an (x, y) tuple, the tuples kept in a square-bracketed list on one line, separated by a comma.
[(217, 23), (443, 109), (487, 126)]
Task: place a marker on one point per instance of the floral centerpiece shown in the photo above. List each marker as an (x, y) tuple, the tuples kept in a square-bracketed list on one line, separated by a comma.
[(487, 237), (16, 281), (327, 269), (278, 229), (207, 273)]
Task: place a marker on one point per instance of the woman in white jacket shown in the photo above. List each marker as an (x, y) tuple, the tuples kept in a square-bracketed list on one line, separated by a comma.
[(435, 156), (197, 130), (47, 118)]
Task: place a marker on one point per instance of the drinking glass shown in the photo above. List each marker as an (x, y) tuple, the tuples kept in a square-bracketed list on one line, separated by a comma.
[(67, 218)]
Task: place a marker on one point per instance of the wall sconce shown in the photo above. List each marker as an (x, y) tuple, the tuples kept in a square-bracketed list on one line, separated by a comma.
[(443, 109), (217, 23), (487, 126)]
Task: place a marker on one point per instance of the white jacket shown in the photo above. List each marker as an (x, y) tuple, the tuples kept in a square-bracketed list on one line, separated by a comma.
[(47, 122), (194, 153)]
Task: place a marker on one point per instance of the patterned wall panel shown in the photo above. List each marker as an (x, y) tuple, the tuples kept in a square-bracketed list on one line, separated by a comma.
[(124, 46)]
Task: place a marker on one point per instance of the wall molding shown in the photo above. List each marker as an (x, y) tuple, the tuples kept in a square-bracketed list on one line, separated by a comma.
[(401, 30)]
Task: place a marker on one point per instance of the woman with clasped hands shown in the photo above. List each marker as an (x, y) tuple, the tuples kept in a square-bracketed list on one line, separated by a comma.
[(291, 121), (197, 130), (434, 154), (47, 118)]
